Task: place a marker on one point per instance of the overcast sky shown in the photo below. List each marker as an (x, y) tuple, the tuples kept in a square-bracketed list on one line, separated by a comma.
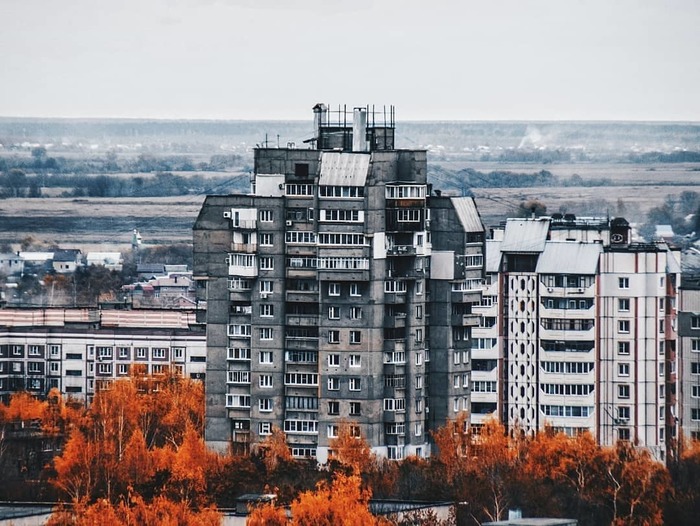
[(274, 59)]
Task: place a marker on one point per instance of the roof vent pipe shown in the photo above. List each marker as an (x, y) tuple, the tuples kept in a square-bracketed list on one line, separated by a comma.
[(359, 130)]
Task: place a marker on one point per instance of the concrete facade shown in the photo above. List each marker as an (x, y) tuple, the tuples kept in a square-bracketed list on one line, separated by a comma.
[(338, 290)]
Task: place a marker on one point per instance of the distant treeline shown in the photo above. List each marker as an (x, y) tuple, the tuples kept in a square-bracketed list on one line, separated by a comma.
[(463, 180), (15, 183), (41, 162)]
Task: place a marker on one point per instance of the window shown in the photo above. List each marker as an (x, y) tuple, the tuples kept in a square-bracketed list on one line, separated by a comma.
[(238, 377), (333, 408), (662, 326), (662, 348), (623, 413), (695, 345), (695, 391), (623, 283), (623, 304), (355, 336), (662, 369), (104, 368), (35, 367), (55, 351), (264, 357), (54, 367), (141, 353), (356, 313), (355, 408), (123, 369), (623, 391), (419, 405), (623, 348), (265, 428), (623, 369), (395, 405), (354, 289), (332, 430), (623, 434), (266, 240), (333, 383), (333, 336), (333, 313), (266, 286), (419, 381), (265, 381), (419, 311), (355, 384), (695, 368), (354, 360), (334, 289), (35, 350), (266, 216), (695, 414), (695, 322), (267, 310), (238, 353), (333, 360), (266, 333), (419, 288), (267, 263), (455, 381), (265, 405), (623, 326), (158, 353)]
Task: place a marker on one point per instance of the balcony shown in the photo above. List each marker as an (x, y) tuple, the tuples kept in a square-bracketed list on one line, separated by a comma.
[(396, 321), (303, 320), (465, 320), (302, 296), (401, 250), (301, 343), (244, 248)]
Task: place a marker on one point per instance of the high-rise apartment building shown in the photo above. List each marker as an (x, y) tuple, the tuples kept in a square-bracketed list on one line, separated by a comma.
[(584, 333), (689, 355), (338, 290)]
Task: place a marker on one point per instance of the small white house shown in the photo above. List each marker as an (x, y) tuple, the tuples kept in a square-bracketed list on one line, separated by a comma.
[(109, 260), (11, 264)]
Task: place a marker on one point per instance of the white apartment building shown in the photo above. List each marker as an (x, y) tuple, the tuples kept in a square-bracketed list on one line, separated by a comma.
[(76, 350), (584, 328)]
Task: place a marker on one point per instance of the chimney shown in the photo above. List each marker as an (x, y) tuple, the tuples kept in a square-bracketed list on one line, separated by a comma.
[(320, 117), (359, 130)]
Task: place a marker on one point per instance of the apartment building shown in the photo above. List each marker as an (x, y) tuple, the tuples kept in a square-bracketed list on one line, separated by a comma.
[(584, 336), (79, 350), (338, 290), (689, 356)]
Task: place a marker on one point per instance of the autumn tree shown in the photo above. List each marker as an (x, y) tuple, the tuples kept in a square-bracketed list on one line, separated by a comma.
[(639, 486), (267, 514), (274, 449), (342, 502), (350, 449)]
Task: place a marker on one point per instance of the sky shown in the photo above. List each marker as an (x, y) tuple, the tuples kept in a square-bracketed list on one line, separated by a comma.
[(275, 59)]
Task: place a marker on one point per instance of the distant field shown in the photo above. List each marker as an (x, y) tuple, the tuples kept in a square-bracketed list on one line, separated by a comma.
[(102, 223), (638, 187)]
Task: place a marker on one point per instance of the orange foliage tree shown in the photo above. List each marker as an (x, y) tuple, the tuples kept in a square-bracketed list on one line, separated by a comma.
[(108, 460), (342, 502), (351, 449)]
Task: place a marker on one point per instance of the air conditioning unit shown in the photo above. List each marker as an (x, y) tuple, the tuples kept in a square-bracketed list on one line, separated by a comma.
[(227, 215), (550, 289), (264, 295), (288, 222), (580, 291)]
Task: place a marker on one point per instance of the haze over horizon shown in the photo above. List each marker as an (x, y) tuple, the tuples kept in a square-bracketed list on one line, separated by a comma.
[(506, 60)]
